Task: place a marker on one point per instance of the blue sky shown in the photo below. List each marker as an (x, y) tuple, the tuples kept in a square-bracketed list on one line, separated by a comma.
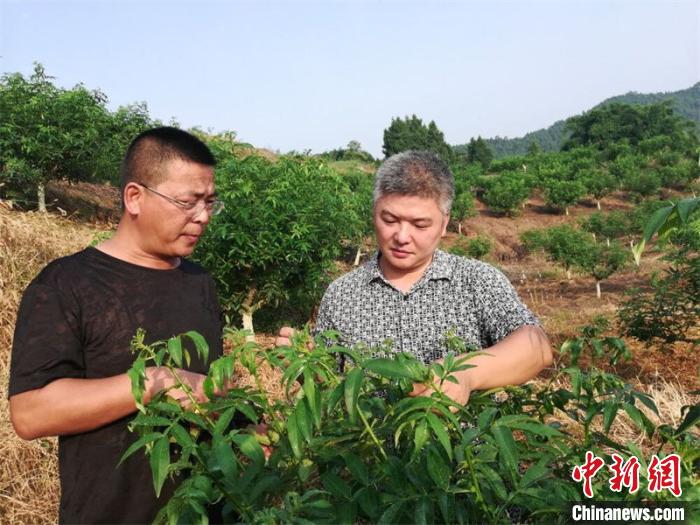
[(314, 75)]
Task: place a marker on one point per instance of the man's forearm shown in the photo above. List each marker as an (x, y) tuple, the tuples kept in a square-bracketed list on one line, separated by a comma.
[(70, 406), (514, 360)]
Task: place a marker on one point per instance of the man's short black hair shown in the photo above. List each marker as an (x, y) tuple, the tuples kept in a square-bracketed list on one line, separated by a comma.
[(146, 158)]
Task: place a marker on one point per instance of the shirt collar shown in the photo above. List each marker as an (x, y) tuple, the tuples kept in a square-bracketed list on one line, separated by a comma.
[(439, 268)]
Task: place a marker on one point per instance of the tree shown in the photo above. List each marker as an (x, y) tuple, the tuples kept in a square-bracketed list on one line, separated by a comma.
[(284, 224), (608, 225), (411, 134), (643, 183), (463, 205), (599, 183), (361, 186), (616, 122), (561, 194), (506, 192), (603, 261), (569, 247), (46, 132), (478, 151)]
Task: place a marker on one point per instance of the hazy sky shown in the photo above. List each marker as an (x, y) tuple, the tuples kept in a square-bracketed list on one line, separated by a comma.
[(315, 75)]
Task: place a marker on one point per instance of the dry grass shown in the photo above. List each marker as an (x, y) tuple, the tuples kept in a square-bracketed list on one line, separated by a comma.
[(29, 489)]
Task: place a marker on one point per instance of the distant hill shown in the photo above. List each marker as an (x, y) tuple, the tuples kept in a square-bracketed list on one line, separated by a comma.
[(686, 102)]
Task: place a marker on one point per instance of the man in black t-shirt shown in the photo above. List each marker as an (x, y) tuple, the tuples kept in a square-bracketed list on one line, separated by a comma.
[(71, 344)]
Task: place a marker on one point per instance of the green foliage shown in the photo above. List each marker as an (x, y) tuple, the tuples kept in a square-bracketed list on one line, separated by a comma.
[(599, 183), (633, 125), (355, 448), (353, 151), (463, 205), (479, 247), (563, 244), (410, 133), (603, 260), (479, 152), (506, 192), (283, 225), (612, 225), (672, 309), (476, 248), (561, 194), (643, 183), (49, 133)]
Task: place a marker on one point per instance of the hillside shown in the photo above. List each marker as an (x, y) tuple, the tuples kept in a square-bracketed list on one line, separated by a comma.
[(686, 103)]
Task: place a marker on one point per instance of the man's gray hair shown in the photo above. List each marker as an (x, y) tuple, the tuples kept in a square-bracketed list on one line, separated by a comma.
[(419, 173)]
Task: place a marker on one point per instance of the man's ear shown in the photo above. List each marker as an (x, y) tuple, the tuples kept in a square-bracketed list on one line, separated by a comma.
[(133, 198), (444, 225)]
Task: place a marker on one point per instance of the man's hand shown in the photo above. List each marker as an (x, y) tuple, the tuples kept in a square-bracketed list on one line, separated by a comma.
[(160, 378), (458, 392), (284, 336)]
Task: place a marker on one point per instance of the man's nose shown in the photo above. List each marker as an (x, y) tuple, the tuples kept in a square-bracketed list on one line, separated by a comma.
[(403, 235), (202, 217)]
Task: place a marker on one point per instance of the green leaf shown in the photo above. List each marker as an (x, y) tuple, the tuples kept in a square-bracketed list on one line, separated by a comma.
[(160, 460), (507, 450), (137, 375), (685, 207), (647, 401), (303, 420), (424, 511), (224, 457), (609, 414), (139, 443), (224, 421), (200, 344), (250, 447), (309, 388), (691, 419), (175, 350), (389, 368), (420, 436), (639, 418), (353, 382), (535, 473), (656, 222), (390, 514), (336, 485), (269, 483), (293, 435), (150, 421), (528, 424), (182, 437), (486, 417), (439, 431), (357, 468), (438, 470), (346, 513), (494, 480)]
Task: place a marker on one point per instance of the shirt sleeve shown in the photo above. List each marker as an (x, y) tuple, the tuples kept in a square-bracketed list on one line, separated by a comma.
[(502, 311), (47, 340)]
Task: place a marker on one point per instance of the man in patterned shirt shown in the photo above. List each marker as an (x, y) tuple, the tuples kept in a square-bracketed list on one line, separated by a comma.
[(412, 294)]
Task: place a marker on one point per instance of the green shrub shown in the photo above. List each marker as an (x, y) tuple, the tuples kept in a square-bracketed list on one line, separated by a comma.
[(354, 448)]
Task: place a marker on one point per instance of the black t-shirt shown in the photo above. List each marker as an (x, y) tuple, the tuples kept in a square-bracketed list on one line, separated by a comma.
[(77, 319)]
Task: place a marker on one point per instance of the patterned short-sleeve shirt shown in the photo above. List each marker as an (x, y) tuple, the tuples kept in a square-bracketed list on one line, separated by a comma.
[(466, 297)]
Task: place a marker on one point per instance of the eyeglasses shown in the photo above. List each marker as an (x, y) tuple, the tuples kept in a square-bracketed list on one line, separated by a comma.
[(191, 208)]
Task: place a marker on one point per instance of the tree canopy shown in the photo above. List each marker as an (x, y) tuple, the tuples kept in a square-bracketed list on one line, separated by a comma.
[(410, 133)]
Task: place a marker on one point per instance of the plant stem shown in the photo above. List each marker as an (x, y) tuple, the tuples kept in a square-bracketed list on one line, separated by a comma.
[(372, 434)]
